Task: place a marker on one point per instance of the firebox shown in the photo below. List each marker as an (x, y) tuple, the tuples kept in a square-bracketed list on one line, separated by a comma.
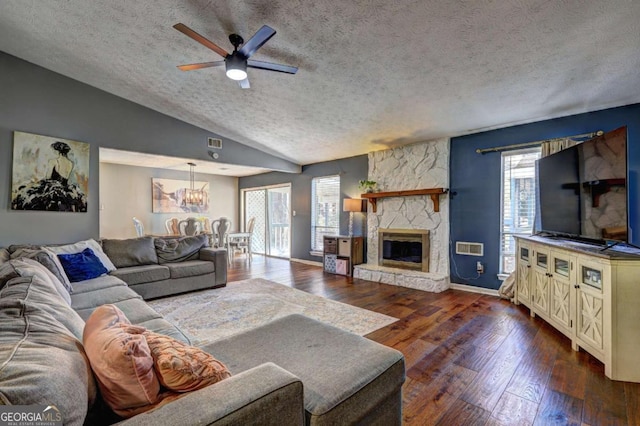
[(404, 249)]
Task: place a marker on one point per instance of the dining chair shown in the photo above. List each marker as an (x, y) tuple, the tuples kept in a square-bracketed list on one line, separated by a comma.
[(190, 226), (220, 228), (172, 226), (139, 227), (243, 242)]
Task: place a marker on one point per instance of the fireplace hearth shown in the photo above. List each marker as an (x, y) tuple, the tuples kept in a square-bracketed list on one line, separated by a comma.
[(404, 249)]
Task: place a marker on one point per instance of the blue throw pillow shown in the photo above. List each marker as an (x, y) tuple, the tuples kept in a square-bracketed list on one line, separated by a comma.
[(82, 266)]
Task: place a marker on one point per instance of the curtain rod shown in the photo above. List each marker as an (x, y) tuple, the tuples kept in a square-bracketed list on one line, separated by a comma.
[(536, 143)]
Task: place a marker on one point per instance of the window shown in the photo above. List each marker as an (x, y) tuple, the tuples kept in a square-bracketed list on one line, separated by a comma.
[(518, 202), (325, 202)]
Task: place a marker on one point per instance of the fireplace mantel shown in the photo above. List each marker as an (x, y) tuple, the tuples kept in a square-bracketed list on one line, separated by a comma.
[(433, 192)]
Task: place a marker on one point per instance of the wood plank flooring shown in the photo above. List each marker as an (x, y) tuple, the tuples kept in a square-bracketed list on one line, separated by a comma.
[(471, 359)]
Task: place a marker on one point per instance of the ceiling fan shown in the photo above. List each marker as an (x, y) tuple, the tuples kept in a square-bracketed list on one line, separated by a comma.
[(237, 62)]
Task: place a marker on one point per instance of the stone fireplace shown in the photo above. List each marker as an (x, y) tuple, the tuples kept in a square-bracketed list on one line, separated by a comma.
[(404, 249), (410, 167)]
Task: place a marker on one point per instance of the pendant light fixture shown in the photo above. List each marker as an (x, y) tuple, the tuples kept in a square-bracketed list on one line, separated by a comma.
[(192, 195)]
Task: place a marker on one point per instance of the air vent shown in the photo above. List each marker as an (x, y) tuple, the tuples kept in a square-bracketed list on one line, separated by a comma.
[(469, 249), (215, 143)]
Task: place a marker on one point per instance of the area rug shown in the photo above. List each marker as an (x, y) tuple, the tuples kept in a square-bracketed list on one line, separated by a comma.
[(210, 315)]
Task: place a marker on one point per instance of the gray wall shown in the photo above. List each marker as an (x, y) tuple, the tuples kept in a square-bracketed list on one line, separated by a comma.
[(351, 170), (36, 100), (119, 182)]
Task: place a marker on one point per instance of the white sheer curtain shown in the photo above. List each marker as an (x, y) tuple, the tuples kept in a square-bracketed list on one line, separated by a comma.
[(556, 145)]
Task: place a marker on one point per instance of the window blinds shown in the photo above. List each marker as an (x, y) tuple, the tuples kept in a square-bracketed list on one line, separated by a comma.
[(325, 213)]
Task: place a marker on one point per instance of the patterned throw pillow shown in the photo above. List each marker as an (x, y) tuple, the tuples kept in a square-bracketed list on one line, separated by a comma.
[(183, 368), (82, 266)]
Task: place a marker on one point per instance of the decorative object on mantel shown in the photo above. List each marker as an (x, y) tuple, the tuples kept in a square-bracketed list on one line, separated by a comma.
[(49, 174), (433, 192), (352, 205), (169, 196), (367, 186)]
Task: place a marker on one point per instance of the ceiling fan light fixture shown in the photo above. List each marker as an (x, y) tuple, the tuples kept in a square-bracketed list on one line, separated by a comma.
[(236, 68)]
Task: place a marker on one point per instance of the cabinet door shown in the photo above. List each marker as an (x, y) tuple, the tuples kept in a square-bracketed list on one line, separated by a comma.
[(590, 318), (590, 304), (562, 282), (540, 290), (523, 276)]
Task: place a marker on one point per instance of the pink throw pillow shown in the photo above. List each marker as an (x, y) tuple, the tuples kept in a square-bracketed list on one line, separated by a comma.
[(121, 361)]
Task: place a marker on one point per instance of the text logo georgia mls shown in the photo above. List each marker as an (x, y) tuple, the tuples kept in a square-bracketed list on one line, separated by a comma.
[(30, 415)]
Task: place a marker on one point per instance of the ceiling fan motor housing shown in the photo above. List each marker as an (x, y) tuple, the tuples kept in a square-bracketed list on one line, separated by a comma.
[(236, 66)]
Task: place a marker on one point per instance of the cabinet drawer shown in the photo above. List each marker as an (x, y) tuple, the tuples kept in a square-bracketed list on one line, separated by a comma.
[(344, 247), (342, 266), (331, 245)]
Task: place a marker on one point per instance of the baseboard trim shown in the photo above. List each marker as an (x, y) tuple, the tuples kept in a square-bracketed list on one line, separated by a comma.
[(473, 289), (306, 262)]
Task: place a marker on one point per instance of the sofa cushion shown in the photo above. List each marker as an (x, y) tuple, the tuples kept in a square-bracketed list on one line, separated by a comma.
[(130, 252), (190, 268), (333, 364), (181, 367), (121, 360), (103, 281), (180, 249), (42, 361), (24, 267), (93, 299), (49, 260), (4, 255), (142, 274), (80, 246)]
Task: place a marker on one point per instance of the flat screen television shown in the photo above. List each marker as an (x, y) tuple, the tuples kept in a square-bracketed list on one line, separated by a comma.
[(582, 190)]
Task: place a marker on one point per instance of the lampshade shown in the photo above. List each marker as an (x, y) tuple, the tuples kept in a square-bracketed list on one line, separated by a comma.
[(352, 205), (236, 68)]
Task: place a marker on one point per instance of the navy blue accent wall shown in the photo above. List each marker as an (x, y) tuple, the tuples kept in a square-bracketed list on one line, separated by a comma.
[(475, 180), (351, 170)]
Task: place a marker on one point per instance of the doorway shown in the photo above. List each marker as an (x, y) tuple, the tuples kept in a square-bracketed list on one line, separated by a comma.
[(271, 206)]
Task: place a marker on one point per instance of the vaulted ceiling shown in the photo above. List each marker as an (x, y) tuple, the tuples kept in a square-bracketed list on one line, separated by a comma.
[(372, 74)]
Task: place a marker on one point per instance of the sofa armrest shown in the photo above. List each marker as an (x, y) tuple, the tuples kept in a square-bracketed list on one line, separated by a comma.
[(219, 258), (265, 395)]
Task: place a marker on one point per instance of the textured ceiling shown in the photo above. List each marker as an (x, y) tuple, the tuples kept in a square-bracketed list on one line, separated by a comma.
[(373, 73)]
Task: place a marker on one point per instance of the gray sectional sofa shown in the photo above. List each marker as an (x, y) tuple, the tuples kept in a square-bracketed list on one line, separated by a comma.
[(157, 267), (291, 371)]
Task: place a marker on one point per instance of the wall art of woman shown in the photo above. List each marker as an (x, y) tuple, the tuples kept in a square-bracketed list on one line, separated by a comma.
[(56, 186)]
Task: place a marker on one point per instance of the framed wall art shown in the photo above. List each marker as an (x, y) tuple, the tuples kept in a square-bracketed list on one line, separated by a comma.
[(179, 196), (50, 174)]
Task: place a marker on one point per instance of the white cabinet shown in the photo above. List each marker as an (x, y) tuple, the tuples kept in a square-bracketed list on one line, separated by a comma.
[(562, 291), (591, 296), (523, 291)]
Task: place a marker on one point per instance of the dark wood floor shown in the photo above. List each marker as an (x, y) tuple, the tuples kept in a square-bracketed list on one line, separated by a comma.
[(472, 359)]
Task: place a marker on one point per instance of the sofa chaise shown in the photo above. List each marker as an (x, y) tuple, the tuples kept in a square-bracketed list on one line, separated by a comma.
[(291, 371)]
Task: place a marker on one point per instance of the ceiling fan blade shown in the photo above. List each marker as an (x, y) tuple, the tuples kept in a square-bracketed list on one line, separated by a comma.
[(200, 39), (244, 83), (191, 67), (272, 67), (259, 38)]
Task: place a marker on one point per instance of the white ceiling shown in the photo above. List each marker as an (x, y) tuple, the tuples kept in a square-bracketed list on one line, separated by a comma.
[(373, 74), (139, 159)]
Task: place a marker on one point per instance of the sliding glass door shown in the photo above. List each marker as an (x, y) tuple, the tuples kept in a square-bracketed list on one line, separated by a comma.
[(271, 206)]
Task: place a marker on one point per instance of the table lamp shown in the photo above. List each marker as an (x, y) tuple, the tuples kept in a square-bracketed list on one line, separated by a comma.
[(352, 205)]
